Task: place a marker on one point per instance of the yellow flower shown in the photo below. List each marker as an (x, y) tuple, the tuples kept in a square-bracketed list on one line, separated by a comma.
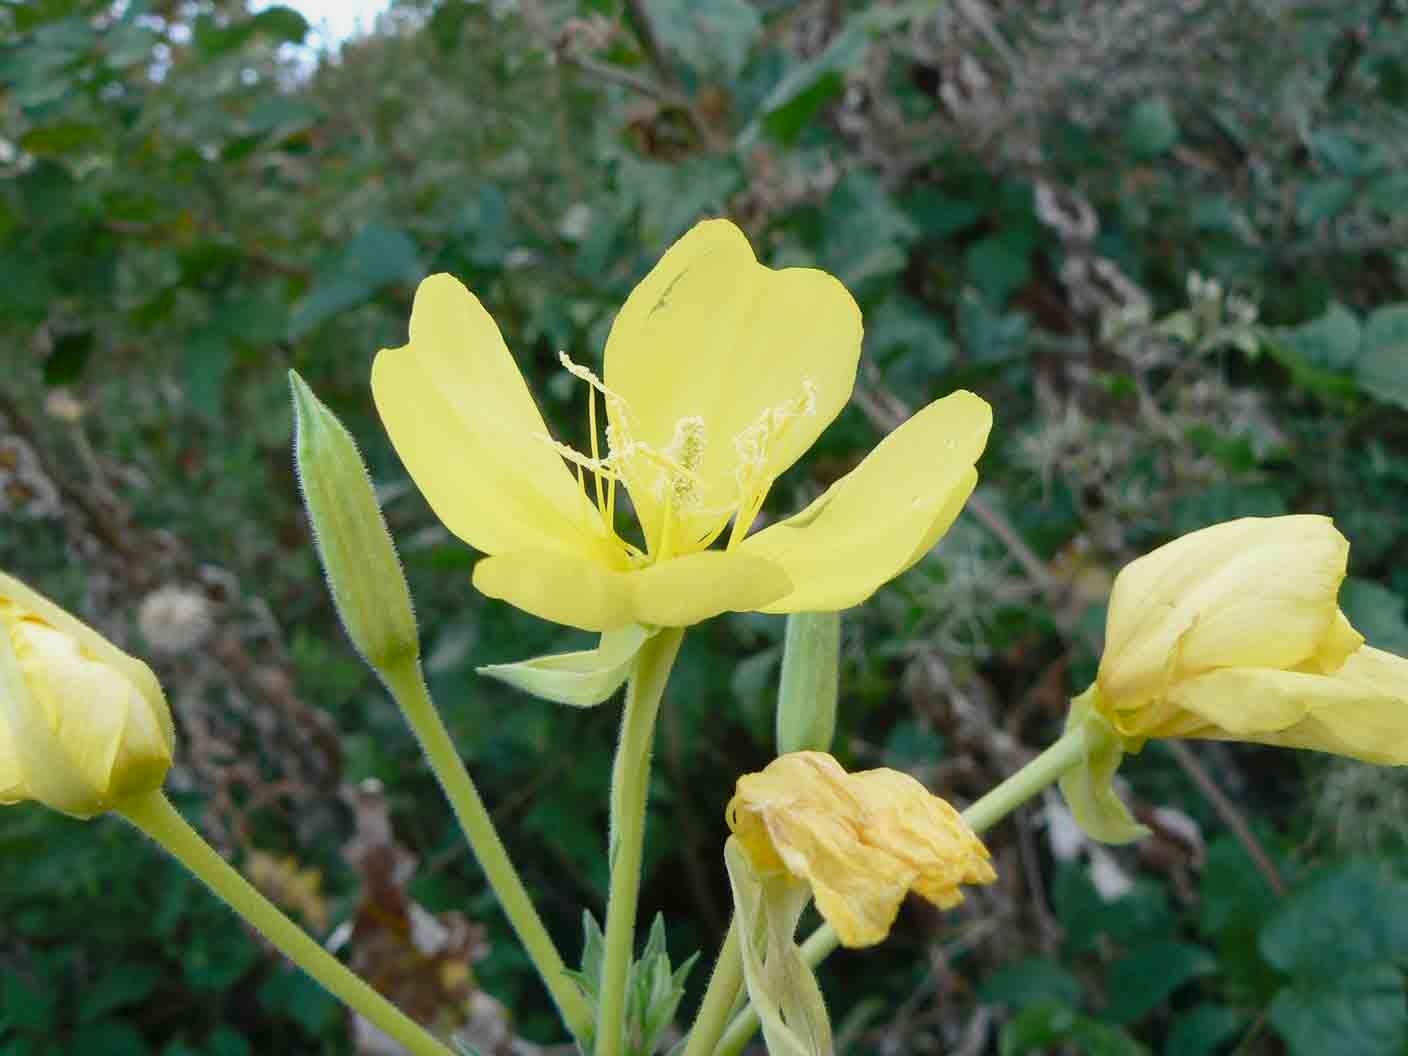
[(719, 374), (83, 726), (1235, 632), (861, 841)]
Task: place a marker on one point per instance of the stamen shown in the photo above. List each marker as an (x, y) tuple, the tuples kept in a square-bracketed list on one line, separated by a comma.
[(752, 444)]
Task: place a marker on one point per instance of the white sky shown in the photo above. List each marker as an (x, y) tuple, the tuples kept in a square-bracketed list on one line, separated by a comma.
[(333, 21)]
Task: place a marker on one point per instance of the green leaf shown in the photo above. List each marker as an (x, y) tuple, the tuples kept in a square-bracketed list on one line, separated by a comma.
[(1330, 342), (1202, 1030), (64, 137), (68, 357), (1321, 200), (291, 993), (809, 86), (1358, 1013), (1044, 1026), (379, 256), (1347, 918), (109, 1037), (1377, 613), (673, 197), (117, 987), (1030, 981), (998, 265), (867, 235), (1383, 367), (1151, 129), (712, 37), (1143, 978)]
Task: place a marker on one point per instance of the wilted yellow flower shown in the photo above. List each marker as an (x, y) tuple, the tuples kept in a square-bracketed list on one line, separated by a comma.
[(83, 726), (1235, 632), (719, 374), (861, 841)]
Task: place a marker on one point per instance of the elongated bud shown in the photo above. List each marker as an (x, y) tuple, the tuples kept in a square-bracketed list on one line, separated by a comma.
[(364, 573), (806, 696), (83, 725)]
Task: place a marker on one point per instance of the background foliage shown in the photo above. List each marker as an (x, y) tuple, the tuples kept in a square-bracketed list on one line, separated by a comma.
[(1169, 242)]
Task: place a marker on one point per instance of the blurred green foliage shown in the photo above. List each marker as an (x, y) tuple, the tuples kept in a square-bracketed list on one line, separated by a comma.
[(1017, 195)]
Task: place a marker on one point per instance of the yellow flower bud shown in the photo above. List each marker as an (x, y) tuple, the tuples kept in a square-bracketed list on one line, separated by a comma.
[(861, 841), (83, 725), (1235, 632)]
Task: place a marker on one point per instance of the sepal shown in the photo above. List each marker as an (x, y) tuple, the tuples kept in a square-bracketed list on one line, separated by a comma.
[(1089, 786), (781, 986), (582, 679)]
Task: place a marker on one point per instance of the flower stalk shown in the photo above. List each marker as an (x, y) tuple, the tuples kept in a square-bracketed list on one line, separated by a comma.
[(1037, 775), (406, 681), (630, 784), (153, 813)]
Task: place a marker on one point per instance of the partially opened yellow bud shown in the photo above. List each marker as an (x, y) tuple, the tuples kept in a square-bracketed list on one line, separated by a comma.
[(83, 725), (861, 841), (1235, 632)]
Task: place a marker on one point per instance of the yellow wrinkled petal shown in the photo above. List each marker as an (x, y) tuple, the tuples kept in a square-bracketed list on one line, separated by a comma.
[(885, 514), (1360, 710), (862, 841), (710, 332), (1254, 592), (674, 593), (465, 425)]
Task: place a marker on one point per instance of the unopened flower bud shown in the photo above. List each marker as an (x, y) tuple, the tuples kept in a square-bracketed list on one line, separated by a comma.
[(364, 573), (83, 725), (806, 697)]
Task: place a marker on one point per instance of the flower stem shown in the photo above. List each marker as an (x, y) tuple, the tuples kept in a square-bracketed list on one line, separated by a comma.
[(407, 684), (714, 1010), (630, 784), (155, 816), (1042, 771), (1031, 779)]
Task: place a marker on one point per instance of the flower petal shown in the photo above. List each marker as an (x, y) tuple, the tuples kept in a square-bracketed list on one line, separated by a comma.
[(885, 514), (860, 840), (1255, 592), (12, 786), (1361, 710), (710, 332), (675, 593), (464, 423)]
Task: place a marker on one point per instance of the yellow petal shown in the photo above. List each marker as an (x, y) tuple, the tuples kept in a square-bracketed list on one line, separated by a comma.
[(712, 333), (464, 423), (85, 735), (1361, 710), (860, 840), (675, 593), (12, 788), (1255, 592), (885, 514)]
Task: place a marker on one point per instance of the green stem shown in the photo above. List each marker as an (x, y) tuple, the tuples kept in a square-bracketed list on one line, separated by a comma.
[(155, 816), (630, 784), (1042, 771), (1031, 779), (719, 998), (407, 685)]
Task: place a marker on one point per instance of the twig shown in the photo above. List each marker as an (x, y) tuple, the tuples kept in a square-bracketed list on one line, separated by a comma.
[(1228, 812)]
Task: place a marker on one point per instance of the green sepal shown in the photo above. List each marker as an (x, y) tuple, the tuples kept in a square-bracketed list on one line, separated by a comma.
[(1089, 786), (781, 984), (807, 691), (582, 679)]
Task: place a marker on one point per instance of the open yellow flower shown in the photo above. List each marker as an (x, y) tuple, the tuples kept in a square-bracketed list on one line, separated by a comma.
[(1235, 632), (861, 841), (83, 725), (719, 374)]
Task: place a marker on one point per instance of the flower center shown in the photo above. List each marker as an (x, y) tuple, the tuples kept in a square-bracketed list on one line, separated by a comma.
[(672, 474)]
